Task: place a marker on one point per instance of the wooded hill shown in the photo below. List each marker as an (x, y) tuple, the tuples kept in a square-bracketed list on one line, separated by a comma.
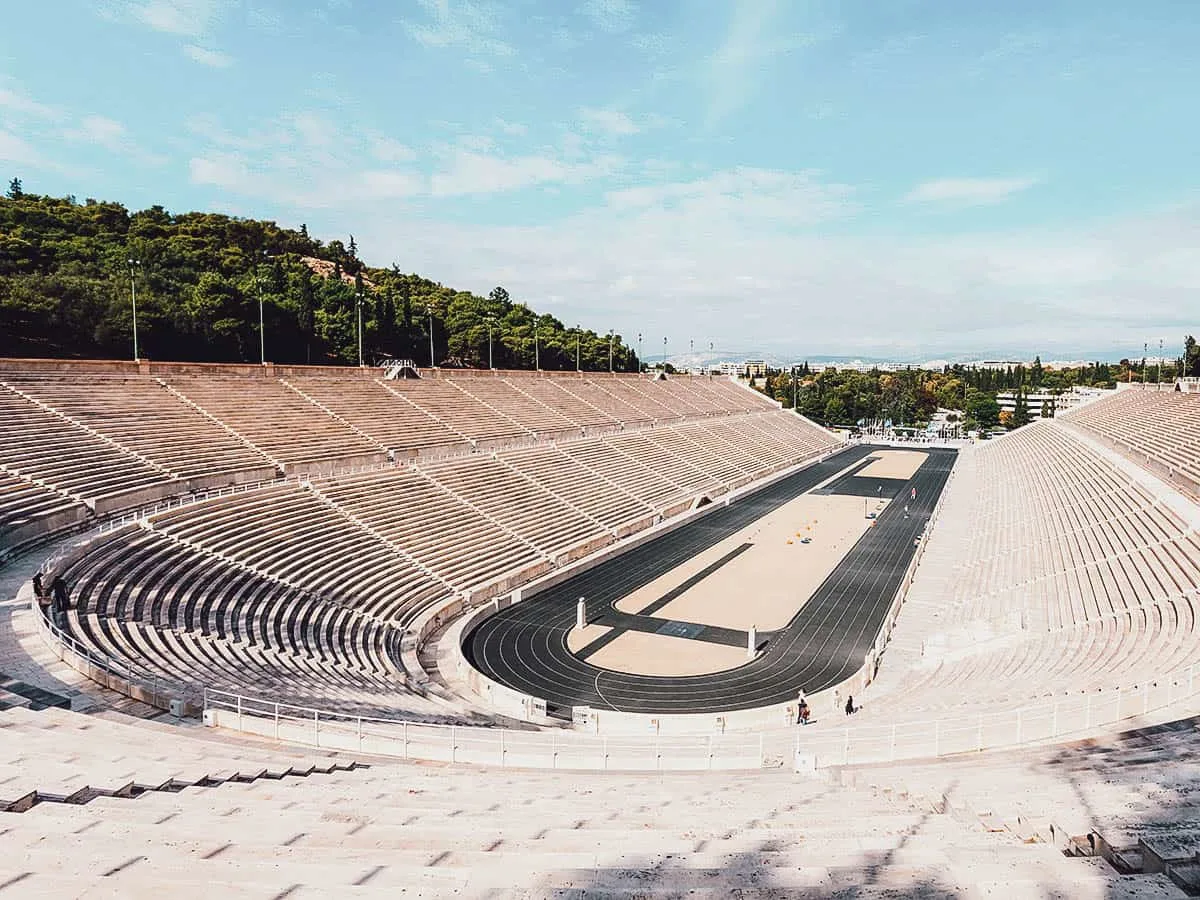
[(65, 280)]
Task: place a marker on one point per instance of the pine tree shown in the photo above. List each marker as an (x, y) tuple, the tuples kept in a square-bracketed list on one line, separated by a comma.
[(1021, 411), (14, 189)]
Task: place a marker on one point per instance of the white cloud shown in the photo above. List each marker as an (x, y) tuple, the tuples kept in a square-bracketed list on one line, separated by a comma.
[(755, 36), (303, 160), (184, 18), (463, 24), (16, 102), (388, 150), (391, 184), (960, 192), (756, 198), (15, 149), (207, 56), (610, 15), (608, 121), (719, 259), (472, 172), (111, 135), (512, 129)]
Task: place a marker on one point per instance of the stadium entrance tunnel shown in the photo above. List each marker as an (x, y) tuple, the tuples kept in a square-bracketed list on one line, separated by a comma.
[(526, 647)]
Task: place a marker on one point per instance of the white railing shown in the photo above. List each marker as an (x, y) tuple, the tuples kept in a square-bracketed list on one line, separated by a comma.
[(1051, 720), (504, 747), (109, 671), (820, 744)]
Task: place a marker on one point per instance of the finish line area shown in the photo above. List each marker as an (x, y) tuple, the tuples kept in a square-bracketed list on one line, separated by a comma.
[(810, 563)]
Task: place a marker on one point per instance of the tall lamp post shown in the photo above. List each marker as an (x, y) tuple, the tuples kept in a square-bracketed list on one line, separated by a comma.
[(133, 265), (610, 349), (664, 356), (537, 360), (640, 351), (793, 388), (358, 302), (491, 320), (262, 338), (432, 361), (578, 338)]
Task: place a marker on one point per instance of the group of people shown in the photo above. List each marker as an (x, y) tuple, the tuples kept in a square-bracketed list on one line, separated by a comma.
[(54, 600), (804, 711)]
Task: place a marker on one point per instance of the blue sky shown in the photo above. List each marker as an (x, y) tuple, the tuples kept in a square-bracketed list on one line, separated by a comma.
[(887, 177)]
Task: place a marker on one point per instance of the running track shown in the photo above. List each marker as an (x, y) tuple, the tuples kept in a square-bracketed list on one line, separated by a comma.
[(524, 646)]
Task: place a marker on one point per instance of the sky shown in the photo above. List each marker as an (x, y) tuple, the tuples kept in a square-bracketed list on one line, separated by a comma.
[(897, 179)]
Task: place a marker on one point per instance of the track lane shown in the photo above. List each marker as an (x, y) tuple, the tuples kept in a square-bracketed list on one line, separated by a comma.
[(525, 646)]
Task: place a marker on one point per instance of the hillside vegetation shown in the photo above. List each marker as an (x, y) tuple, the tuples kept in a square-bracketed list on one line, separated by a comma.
[(65, 282)]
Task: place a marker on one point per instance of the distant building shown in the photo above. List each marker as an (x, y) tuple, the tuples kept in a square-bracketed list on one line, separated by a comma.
[(1056, 403)]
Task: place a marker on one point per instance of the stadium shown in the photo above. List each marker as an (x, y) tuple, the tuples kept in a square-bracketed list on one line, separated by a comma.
[(511, 598), (634, 449)]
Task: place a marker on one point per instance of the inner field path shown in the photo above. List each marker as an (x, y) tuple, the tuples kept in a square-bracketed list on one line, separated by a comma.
[(525, 646)]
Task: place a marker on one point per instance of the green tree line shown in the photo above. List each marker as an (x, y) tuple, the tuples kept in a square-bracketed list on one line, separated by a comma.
[(911, 396), (68, 272)]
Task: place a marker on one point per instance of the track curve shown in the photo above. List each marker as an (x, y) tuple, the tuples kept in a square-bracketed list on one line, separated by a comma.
[(525, 646)]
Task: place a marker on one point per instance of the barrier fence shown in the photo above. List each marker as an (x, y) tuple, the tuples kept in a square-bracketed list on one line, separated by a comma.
[(817, 745), (820, 744)]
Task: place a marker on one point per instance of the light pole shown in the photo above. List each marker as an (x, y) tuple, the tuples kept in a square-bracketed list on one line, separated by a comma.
[(664, 356), (537, 361), (1158, 377), (490, 322), (610, 349), (639, 351), (133, 298), (262, 338), (793, 388), (358, 300), (432, 362), (578, 338)]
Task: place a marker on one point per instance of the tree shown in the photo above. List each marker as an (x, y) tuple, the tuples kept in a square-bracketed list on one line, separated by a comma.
[(1021, 414), (14, 189), (835, 411), (1191, 357), (1036, 373), (499, 296), (982, 409)]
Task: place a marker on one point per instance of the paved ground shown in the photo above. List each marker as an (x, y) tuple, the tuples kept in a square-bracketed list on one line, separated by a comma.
[(525, 646)]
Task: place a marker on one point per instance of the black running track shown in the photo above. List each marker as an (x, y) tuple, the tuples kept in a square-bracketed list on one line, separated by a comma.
[(524, 646)]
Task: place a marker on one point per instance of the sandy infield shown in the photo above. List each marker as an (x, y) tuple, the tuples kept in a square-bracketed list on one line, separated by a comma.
[(893, 464), (578, 638), (769, 582), (764, 586), (661, 654)]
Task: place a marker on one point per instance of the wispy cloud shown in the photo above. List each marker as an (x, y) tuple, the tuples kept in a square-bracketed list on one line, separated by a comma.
[(472, 27), (101, 131), (755, 36), (610, 122), (303, 160), (185, 18), (610, 15), (473, 172), (961, 192), (191, 20), (15, 101), (208, 57)]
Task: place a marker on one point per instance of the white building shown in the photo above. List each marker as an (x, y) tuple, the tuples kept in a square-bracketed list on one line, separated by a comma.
[(1035, 401)]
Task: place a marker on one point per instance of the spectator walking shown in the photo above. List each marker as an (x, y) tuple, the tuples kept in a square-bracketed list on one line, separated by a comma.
[(850, 705), (804, 712), (62, 600)]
